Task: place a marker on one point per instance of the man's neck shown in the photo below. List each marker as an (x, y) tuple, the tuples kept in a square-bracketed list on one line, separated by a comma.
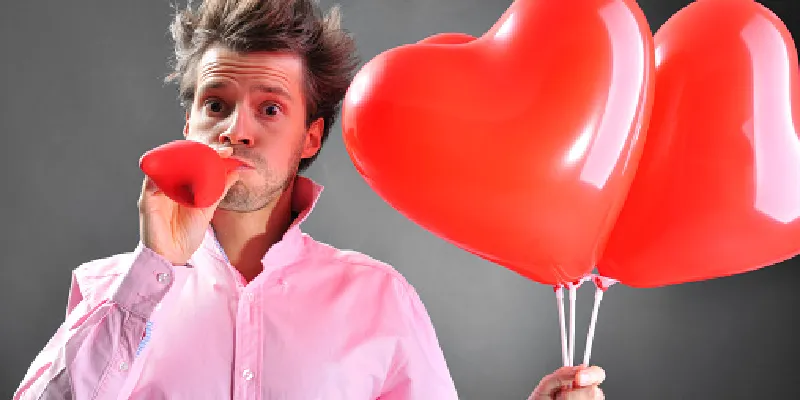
[(246, 237)]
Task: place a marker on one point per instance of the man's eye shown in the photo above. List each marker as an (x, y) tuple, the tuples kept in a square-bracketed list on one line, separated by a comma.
[(215, 106), (271, 109)]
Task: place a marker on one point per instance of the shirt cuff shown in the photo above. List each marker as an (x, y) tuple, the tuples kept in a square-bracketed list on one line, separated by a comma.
[(146, 281)]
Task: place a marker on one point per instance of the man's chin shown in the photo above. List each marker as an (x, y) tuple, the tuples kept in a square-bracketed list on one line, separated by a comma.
[(246, 197), (238, 206), (235, 202), (235, 209)]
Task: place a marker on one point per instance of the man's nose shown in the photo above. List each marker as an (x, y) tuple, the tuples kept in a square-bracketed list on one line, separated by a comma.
[(240, 131)]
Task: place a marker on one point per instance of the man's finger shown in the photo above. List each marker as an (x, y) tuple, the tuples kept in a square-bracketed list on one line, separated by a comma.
[(583, 393), (562, 378), (590, 376), (224, 152), (149, 189), (568, 377), (148, 186)]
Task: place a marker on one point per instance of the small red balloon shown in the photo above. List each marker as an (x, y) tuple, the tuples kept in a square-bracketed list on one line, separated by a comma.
[(717, 191), (518, 146), (188, 172)]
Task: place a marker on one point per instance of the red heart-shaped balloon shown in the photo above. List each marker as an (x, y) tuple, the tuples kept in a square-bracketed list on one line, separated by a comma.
[(717, 191), (518, 146), (188, 172), (448, 38)]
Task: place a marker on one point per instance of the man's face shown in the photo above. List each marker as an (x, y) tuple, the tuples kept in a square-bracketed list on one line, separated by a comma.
[(255, 104)]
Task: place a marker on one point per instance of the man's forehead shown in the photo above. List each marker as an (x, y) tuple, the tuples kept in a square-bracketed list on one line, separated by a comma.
[(220, 60)]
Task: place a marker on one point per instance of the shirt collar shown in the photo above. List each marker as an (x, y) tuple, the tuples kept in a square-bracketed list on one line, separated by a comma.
[(305, 194)]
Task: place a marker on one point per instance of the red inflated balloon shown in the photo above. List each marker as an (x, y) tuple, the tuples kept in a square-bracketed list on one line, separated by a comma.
[(448, 38), (518, 146), (188, 172), (717, 191)]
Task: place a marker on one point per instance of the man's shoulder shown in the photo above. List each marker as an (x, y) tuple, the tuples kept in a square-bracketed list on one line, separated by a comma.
[(369, 278), (349, 260)]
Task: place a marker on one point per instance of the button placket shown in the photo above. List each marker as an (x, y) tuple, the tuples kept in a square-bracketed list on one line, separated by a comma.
[(247, 348)]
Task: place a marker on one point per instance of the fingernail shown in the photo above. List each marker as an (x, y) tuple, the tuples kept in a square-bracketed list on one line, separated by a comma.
[(585, 377)]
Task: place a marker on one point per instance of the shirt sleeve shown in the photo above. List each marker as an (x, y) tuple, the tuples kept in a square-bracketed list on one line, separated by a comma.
[(419, 370), (90, 353)]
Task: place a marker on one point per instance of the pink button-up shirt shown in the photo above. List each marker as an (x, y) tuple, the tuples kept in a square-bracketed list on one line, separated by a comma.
[(317, 324)]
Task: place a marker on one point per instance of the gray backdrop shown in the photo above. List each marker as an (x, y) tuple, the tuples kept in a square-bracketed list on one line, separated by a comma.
[(84, 98)]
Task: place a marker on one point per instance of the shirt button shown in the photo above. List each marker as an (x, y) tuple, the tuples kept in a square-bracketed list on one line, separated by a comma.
[(163, 277), (247, 375), (123, 366), (249, 296)]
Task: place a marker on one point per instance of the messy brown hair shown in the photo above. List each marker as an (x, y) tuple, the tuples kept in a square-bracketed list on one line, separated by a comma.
[(328, 52)]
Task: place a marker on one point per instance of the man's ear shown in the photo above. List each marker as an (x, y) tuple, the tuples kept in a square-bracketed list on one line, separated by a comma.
[(313, 138), (186, 124)]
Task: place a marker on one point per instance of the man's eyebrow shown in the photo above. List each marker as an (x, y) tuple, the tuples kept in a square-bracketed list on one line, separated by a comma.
[(212, 85), (263, 88), (271, 89)]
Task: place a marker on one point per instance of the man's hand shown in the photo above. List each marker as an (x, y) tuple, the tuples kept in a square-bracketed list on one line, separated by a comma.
[(571, 383), (172, 230)]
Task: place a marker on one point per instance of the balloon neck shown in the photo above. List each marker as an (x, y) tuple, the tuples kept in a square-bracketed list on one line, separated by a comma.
[(603, 283), (231, 164), (577, 284)]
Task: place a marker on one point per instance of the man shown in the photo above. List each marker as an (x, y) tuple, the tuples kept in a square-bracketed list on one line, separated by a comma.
[(235, 301)]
